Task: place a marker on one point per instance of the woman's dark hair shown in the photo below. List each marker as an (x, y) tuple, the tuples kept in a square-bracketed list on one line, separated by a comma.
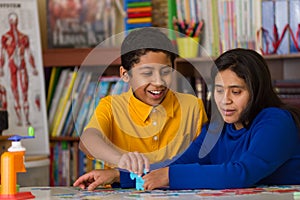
[(140, 41), (253, 69)]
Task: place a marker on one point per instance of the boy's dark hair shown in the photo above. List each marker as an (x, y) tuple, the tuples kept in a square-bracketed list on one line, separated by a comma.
[(253, 69), (140, 41)]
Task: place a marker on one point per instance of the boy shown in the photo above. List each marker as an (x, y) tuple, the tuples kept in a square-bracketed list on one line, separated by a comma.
[(149, 119)]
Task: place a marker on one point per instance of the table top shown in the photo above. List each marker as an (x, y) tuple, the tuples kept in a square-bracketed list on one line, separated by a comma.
[(261, 193)]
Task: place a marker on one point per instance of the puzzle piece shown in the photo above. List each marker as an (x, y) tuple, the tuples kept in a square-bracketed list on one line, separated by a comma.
[(139, 181)]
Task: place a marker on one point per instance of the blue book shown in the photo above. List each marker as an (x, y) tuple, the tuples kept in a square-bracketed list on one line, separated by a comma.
[(102, 90), (138, 25), (132, 1), (81, 164), (81, 117), (118, 87)]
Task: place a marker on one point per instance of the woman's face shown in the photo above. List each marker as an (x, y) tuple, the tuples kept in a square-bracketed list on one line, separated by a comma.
[(231, 96), (151, 78)]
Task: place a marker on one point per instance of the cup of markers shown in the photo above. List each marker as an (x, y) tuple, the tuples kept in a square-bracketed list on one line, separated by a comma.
[(187, 47), (188, 38)]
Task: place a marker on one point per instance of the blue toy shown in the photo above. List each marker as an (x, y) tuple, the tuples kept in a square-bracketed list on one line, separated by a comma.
[(139, 181)]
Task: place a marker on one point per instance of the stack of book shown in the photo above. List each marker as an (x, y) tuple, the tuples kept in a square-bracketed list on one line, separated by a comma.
[(68, 162), (139, 14), (288, 91), (72, 97)]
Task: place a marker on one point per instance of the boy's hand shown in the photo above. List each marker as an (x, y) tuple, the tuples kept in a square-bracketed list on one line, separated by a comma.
[(156, 179), (95, 178), (134, 162)]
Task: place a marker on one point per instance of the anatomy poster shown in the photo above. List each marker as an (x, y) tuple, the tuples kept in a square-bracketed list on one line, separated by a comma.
[(21, 73)]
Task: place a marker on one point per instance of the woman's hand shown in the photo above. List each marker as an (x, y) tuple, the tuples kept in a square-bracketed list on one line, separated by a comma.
[(156, 179), (134, 162)]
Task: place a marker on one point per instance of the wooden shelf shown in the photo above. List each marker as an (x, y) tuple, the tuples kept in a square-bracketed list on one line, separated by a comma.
[(111, 56), (283, 56), (77, 57), (61, 138), (281, 66)]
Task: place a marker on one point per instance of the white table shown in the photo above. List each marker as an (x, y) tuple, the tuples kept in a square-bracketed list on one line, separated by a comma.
[(46, 193)]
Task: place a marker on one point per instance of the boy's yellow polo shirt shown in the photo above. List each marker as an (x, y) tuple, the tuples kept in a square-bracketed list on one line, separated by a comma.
[(160, 132)]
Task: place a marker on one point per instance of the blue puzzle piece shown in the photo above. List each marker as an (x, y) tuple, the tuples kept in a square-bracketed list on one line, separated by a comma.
[(139, 181)]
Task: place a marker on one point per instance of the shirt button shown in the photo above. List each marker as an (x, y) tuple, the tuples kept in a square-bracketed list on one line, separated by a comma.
[(154, 110), (155, 138), (154, 123)]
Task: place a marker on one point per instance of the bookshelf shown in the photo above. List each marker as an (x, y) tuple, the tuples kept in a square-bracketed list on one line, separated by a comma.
[(281, 66)]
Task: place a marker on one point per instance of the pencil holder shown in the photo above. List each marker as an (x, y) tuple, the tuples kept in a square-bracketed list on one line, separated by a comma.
[(188, 47)]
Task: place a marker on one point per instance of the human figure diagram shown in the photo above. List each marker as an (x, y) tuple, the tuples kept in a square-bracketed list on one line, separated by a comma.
[(15, 48)]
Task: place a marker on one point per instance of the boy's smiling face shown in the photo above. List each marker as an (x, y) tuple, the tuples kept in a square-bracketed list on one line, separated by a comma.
[(151, 78)]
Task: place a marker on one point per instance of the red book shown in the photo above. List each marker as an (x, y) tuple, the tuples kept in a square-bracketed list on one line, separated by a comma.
[(139, 14)]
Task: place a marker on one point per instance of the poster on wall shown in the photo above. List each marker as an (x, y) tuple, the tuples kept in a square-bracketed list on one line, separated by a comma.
[(22, 75), (75, 24)]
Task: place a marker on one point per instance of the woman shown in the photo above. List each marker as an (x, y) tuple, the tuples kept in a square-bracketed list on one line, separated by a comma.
[(258, 141)]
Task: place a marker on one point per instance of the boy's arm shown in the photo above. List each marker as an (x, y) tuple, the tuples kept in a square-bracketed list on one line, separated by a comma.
[(85, 151), (94, 144)]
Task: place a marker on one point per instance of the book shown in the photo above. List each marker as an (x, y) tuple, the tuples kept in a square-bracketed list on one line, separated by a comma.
[(281, 21), (139, 14), (51, 165), (81, 164), (139, 20), (55, 72), (57, 95), (67, 109), (102, 89), (74, 153), (268, 22), (139, 4), (74, 24), (206, 38), (65, 157), (216, 44), (294, 21), (54, 128), (84, 109)]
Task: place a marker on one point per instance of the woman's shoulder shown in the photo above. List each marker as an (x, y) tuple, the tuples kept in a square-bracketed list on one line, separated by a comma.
[(276, 114), (275, 111)]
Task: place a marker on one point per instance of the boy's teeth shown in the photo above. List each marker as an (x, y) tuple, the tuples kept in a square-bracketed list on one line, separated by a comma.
[(155, 92)]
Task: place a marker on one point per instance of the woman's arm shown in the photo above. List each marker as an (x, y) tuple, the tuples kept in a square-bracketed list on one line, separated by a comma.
[(271, 141)]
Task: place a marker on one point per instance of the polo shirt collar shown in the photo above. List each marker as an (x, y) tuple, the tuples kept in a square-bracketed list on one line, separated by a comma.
[(143, 110)]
